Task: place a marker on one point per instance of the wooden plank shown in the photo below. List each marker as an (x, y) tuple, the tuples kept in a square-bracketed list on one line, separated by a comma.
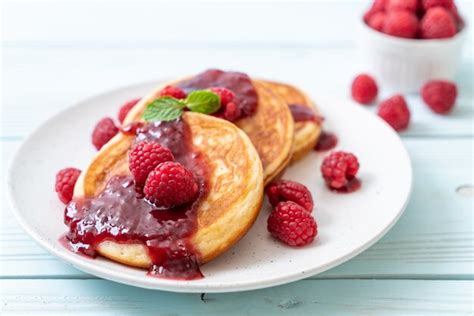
[(35, 90), (435, 236), (308, 297), (132, 22)]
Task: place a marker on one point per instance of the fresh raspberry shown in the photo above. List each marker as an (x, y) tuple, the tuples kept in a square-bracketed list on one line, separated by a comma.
[(437, 23), (428, 4), (377, 6), (174, 92), (376, 21), (339, 168), (292, 224), (144, 157), (364, 89), (224, 94), (104, 130), (124, 109), (407, 5), (401, 24), (65, 181), (285, 190), (395, 112), (170, 184), (439, 95), (229, 108), (457, 18)]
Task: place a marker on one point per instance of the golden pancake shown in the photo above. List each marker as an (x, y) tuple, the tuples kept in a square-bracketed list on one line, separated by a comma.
[(234, 184), (270, 128), (306, 132)]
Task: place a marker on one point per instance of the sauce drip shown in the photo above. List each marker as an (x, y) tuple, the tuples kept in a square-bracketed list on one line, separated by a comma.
[(354, 184), (302, 113), (237, 82), (326, 141), (119, 214)]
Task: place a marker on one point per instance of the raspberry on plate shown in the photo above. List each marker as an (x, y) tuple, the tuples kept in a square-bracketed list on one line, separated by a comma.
[(439, 95), (408, 5), (229, 108), (144, 157), (427, 4), (364, 89), (174, 92), (285, 190), (170, 184), (65, 182), (437, 23), (292, 224), (339, 168), (104, 130), (124, 109), (376, 21), (401, 24), (395, 112), (224, 94)]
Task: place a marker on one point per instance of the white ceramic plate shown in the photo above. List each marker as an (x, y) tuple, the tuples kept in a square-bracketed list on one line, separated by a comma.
[(348, 223)]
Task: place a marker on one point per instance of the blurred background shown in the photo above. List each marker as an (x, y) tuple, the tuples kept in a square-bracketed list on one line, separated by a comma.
[(62, 52)]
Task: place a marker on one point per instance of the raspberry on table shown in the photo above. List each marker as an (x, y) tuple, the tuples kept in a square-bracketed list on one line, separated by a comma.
[(401, 24), (427, 4), (65, 181), (439, 95), (174, 92), (103, 131), (376, 21), (144, 157), (285, 190), (408, 5), (364, 89), (124, 109), (170, 184), (292, 224), (339, 168), (395, 112), (437, 23)]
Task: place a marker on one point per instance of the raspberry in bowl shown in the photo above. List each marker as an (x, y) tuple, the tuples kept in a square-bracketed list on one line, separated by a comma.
[(407, 43)]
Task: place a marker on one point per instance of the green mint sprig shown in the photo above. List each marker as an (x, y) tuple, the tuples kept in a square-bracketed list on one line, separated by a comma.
[(168, 108)]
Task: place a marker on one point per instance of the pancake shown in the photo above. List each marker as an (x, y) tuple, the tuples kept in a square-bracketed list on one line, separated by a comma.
[(270, 128), (306, 132), (234, 181)]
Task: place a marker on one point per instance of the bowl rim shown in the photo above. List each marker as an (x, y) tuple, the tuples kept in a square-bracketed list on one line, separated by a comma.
[(459, 36)]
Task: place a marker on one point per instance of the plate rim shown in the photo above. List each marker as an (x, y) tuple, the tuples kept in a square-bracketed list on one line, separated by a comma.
[(187, 286)]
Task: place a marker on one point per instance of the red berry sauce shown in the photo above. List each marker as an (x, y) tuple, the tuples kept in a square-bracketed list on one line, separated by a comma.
[(237, 82), (326, 141), (353, 185), (302, 113), (119, 214)]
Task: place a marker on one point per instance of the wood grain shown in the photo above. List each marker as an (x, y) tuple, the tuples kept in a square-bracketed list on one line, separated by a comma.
[(309, 297)]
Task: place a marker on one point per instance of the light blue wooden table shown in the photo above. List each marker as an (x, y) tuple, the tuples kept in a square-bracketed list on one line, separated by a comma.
[(56, 53)]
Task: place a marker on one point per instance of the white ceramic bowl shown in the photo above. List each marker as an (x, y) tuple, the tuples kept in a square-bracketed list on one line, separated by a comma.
[(404, 65)]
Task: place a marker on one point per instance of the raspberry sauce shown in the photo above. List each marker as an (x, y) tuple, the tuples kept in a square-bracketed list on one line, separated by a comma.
[(326, 141), (302, 113), (353, 185), (237, 82), (119, 213)]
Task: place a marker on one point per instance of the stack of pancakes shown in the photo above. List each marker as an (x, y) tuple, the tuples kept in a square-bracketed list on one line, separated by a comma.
[(242, 158)]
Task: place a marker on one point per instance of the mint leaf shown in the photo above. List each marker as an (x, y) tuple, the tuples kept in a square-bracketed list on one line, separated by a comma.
[(163, 109), (203, 101)]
